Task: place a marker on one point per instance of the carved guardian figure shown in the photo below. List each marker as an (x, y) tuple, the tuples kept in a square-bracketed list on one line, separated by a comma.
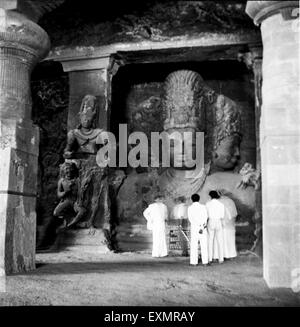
[(93, 180), (250, 177)]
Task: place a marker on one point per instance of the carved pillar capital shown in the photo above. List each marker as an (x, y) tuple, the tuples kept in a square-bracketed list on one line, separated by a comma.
[(260, 10), (18, 33), (253, 57), (22, 44), (76, 63), (9, 4)]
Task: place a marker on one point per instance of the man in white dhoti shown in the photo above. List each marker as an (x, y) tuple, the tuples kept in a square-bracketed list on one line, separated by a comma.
[(216, 213), (180, 215), (197, 216), (229, 246), (156, 214)]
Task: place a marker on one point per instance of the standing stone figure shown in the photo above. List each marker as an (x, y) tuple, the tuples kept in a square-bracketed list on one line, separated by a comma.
[(93, 180), (250, 177)]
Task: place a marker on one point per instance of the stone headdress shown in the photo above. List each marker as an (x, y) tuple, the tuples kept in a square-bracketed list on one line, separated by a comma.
[(88, 106), (182, 102)]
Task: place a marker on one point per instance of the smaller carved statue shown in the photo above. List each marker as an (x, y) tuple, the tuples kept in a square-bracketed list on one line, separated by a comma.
[(81, 141), (250, 177), (67, 192), (82, 148)]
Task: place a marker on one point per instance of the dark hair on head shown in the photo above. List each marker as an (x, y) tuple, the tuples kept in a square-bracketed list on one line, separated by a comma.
[(195, 197), (158, 196), (180, 199), (214, 195)]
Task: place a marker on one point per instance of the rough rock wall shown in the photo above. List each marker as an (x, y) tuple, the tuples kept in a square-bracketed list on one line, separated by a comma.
[(50, 100), (85, 25)]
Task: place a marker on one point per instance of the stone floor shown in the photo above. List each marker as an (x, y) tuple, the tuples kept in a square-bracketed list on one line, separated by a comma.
[(86, 278)]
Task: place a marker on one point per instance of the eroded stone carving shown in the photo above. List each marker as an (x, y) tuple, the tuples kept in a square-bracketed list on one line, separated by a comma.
[(81, 141), (147, 114), (223, 132), (190, 105), (93, 180), (68, 193), (182, 102), (250, 177), (183, 114)]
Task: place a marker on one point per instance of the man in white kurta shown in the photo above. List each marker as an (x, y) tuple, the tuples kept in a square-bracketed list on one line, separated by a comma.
[(216, 213), (229, 227), (197, 216), (156, 214)]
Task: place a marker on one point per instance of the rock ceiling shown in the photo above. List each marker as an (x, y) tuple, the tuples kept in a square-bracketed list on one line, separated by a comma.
[(83, 23)]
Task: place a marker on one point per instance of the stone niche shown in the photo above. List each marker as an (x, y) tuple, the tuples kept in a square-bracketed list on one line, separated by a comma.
[(147, 42), (137, 93), (50, 92)]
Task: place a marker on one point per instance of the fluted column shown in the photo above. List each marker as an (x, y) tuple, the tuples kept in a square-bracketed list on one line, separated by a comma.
[(280, 140), (22, 44), (257, 71), (253, 61)]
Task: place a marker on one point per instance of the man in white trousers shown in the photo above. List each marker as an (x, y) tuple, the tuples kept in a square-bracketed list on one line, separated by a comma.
[(229, 227), (156, 214), (216, 213), (197, 216)]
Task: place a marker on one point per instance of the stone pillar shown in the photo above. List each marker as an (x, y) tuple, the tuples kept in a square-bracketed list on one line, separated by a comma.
[(280, 140), (257, 71), (90, 76), (22, 45), (253, 61)]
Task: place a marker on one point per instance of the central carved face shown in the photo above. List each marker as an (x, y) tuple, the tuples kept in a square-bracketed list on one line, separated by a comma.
[(182, 147), (87, 118), (183, 115)]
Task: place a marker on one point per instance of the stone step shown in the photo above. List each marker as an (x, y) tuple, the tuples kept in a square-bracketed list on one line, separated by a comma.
[(133, 237), (82, 237)]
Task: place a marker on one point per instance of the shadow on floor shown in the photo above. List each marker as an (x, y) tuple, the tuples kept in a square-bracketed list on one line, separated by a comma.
[(150, 265)]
